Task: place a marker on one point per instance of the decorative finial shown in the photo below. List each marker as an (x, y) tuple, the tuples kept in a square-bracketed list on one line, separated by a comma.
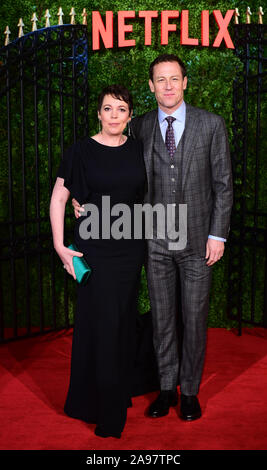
[(47, 18), (20, 25), (248, 15), (260, 13), (84, 15), (34, 20), (72, 16), (236, 15), (60, 14), (7, 33)]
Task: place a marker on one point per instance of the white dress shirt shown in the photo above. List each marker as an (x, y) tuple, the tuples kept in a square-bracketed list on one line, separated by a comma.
[(178, 127)]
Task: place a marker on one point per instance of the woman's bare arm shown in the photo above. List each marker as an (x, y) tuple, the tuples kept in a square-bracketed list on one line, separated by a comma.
[(59, 198)]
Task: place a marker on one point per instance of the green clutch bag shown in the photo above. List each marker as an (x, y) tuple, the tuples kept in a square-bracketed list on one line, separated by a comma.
[(81, 268)]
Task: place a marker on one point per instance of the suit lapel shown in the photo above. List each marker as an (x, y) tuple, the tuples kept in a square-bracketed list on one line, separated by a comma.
[(191, 130), (148, 133), (149, 128)]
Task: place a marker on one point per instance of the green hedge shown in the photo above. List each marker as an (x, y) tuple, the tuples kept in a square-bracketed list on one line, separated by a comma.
[(210, 77)]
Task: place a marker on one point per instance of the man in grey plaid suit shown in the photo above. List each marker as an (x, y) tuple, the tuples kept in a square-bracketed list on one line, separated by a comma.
[(187, 162)]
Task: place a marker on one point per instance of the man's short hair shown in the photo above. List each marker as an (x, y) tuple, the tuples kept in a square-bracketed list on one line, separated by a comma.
[(166, 58)]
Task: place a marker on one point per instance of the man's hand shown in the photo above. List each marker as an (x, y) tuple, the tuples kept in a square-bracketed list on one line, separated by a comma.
[(214, 251), (77, 208)]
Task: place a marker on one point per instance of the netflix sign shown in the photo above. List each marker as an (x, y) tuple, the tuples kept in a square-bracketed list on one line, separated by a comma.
[(103, 28)]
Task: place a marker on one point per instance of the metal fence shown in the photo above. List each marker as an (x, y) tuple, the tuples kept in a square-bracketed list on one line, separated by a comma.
[(44, 99), (247, 280)]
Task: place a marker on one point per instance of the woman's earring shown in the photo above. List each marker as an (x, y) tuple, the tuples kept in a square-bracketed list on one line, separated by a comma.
[(99, 126), (129, 129)]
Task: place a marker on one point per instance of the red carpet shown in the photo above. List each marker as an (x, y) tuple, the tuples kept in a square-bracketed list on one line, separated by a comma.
[(34, 376)]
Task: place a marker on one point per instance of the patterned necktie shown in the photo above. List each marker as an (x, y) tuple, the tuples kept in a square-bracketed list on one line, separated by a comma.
[(169, 139)]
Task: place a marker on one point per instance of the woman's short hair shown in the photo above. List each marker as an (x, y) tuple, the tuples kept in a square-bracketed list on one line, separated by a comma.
[(119, 92)]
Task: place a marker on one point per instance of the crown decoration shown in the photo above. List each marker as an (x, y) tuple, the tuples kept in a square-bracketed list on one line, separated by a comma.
[(20, 25), (72, 16), (84, 15), (60, 15), (236, 15), (34, 20), (47, 18), (260, 13), (7, 33), (248, 15)]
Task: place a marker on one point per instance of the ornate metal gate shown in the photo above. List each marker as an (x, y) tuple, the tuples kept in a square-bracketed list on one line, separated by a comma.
[(44, 94), (247, 292)]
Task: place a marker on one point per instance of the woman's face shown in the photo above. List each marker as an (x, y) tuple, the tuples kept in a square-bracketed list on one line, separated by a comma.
[(114, 115)]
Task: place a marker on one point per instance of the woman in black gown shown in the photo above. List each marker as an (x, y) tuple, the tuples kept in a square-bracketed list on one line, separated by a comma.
[(107, 164)]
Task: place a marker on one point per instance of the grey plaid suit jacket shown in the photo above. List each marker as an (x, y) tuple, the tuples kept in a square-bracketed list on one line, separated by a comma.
[(206, 172)]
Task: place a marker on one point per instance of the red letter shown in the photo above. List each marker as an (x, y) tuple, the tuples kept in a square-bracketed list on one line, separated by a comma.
[(123, 28), (185, 40), (205, 28), (148, 15), (165, 26), (223, 31), (98, 28)]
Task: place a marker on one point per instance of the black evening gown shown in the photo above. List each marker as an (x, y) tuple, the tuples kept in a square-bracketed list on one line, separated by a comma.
[(103, 347)]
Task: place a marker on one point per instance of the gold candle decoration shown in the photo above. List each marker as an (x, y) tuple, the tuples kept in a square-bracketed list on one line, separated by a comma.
[(34, 20), (236, 15), (60, 15), (84, 15), (47, 18), (248, 15), (72, 16), (7, 33), (20, 25), (260, 13)]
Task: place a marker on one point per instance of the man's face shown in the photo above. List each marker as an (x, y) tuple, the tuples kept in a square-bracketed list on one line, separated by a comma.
[(168, 85)]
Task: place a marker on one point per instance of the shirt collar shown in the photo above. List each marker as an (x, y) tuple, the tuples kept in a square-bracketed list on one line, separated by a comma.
[(179, 114)]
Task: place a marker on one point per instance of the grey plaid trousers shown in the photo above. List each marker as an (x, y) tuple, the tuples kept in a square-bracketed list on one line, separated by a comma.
[(195, 275)]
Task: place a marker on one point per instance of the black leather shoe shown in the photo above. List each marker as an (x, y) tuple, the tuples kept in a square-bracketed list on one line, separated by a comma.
[(160, 407), (102, 433), (190, 408)]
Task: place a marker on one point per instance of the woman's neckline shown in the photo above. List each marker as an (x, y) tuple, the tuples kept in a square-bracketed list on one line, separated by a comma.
[(110, 146)]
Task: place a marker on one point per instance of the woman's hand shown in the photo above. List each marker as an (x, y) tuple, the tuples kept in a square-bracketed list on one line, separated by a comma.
[(66, 256), (77, 208)]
